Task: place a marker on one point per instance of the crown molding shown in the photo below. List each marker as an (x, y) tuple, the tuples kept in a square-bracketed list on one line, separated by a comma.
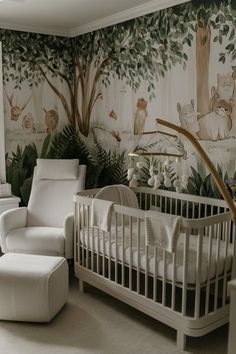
[(144, 9), (45, 30), (125, 15)]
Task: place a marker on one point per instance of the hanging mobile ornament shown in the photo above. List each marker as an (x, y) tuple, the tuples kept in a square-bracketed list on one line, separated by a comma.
[(140, 164), (151, 180), (177, 185), (130, 173), (167, 164), (184, 181), (185, 176), (134, 181), (157, 181), (167, 180)]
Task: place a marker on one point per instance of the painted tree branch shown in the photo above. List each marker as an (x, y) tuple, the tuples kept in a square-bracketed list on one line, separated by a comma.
[(80, 79), (58, 93), (62, 76), (99, 95), (219, 182), (96, 78)]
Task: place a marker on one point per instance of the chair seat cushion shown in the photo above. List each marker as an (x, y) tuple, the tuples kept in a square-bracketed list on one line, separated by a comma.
[(48, 241)]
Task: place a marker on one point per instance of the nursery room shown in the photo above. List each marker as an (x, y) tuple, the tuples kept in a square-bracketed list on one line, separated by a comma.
[(117, 176)]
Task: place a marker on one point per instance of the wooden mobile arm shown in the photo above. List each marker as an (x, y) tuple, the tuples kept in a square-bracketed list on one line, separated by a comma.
[(218, 180)]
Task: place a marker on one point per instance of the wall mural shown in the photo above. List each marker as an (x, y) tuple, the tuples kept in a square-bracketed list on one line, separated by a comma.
[(93, 96)]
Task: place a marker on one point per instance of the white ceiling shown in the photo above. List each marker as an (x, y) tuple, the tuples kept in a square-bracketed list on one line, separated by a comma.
[(73, 17)]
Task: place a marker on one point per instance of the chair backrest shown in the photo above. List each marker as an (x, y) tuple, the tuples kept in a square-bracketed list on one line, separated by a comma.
[(54, 184)]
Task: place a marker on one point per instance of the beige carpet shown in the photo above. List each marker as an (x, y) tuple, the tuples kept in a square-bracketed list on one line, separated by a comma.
[(94, 323)]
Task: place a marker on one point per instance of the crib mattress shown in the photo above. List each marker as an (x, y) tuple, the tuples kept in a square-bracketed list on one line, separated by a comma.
[(102, 243)]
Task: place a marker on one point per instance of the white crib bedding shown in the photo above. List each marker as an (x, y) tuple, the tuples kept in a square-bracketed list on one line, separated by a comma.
[(94, 240)]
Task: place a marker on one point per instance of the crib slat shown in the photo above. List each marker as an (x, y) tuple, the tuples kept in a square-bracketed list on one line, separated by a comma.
[(77, 234), (146, 272), (173, 282), (83, 236), (103, 253), (209, 261), (109, 255), (205, 211), (123, 252), (234, 252), (150, 201), (164, 279), (193, 210), (187, 211), (226, 238), (217, 267), (162, 204), (198, 274), (181, 207), (98, 250), (116, 247), (155, 200), (176, 206), (155, 276), (88, 237), (138, 255), (130, 253), (212, 210), (93, 255), (185, 271), (166, 201)]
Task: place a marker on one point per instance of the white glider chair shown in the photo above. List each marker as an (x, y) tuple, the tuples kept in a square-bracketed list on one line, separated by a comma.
[(46, 226)]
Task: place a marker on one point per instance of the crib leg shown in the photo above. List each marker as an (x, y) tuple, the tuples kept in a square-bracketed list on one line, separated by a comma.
[(81, 285), (181, 340)]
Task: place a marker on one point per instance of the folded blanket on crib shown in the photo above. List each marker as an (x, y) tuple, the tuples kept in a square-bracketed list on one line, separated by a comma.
[(162, 230), (101, 214)]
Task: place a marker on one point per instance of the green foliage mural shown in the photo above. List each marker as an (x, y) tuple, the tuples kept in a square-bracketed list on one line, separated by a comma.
[(33, 58), (103, 167), (140, 54)]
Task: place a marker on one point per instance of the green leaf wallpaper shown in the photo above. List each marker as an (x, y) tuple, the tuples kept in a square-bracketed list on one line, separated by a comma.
[(93, 96)]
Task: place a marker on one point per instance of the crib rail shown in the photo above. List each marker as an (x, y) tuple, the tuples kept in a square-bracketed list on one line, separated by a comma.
[(191, 282), (189, 206)]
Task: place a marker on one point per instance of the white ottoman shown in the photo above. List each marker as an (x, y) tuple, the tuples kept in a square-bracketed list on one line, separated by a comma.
[(32, 288)]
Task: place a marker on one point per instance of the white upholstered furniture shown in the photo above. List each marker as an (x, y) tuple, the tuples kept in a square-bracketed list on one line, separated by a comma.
[(8, 203), (46, 225), (33, 288), (232, 318)]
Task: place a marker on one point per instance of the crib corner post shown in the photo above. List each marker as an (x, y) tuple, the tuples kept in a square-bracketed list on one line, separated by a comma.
[(81, 285), (181, 340)]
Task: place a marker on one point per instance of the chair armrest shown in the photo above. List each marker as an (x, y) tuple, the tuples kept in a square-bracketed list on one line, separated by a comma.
[(9, 220), (69, 236)]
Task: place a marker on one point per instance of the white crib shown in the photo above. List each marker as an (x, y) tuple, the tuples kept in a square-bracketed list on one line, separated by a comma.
[(186, 290)]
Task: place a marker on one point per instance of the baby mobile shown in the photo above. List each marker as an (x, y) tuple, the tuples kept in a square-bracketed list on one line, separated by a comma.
[(161, 173)]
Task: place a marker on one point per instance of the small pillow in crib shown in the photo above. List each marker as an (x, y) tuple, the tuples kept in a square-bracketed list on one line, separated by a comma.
[(57, 168), (118, 194), (121, 195)]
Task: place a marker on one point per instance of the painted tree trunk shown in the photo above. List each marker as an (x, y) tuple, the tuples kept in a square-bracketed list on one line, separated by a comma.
[(89, 94), (203, 37)]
